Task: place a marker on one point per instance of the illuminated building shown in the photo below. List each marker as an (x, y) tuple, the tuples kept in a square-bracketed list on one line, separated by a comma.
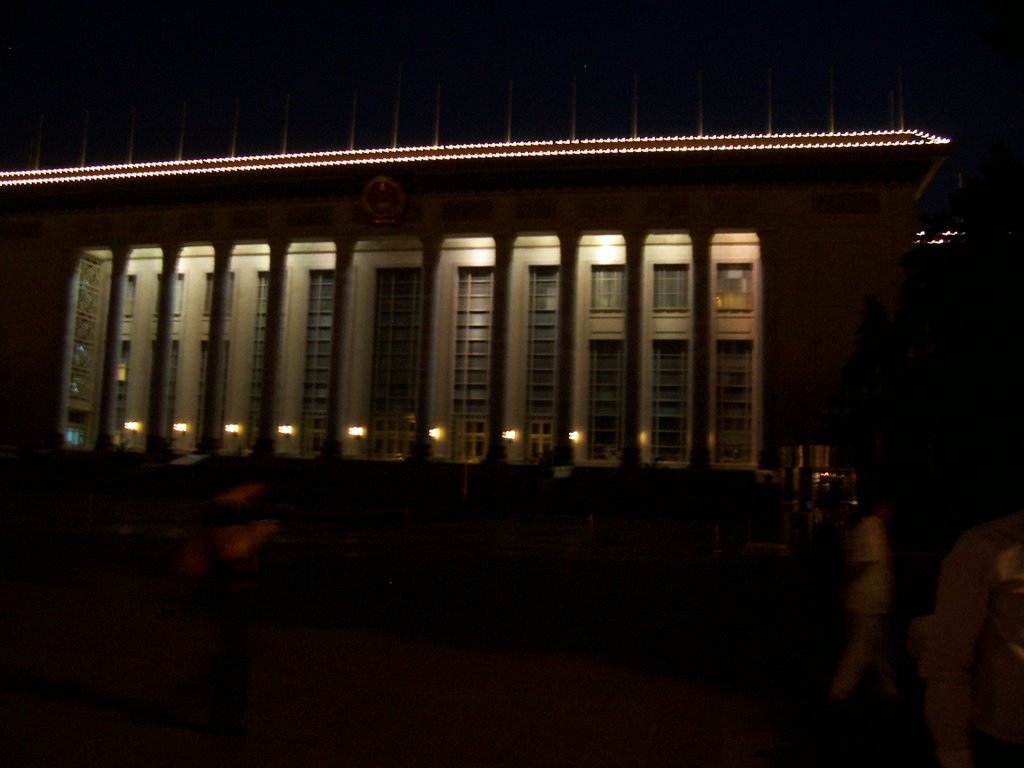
[(684, 301)]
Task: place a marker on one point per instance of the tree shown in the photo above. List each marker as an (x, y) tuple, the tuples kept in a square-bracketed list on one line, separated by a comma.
[(932, 398)]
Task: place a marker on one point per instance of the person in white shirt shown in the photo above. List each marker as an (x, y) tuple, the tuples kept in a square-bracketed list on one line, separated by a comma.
[(868, 605), (973, 656)]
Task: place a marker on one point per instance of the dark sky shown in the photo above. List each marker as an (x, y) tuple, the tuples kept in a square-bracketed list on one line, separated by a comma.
[(108, 59)]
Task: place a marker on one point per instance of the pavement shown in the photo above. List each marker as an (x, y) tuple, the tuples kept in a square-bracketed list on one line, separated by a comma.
[(518, 641)]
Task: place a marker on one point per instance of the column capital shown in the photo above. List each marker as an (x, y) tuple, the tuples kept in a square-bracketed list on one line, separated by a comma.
[(171, 249), (278, 245), (223, 248), (566, 236)]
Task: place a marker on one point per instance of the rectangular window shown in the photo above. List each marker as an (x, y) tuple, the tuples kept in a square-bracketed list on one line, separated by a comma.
[(319, 320), (208, 294), (734, 288), (541, 338), (122, 388), (204, 347), (606, 287), (179, 294), (671, 287), (605, 401), (86, 329), (669, 401), (472, 363), (258, 344), (734, 402), (130, 284), (172, 382), (396, 347), (74, 432)]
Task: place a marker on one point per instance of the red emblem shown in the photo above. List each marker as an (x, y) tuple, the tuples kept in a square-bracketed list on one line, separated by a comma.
[(384, 200)]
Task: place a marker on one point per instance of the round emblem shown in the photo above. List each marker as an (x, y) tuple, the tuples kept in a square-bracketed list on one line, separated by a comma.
[(384, 200)]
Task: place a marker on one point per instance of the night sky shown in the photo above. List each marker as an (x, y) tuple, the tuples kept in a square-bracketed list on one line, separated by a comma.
[(110, 60)]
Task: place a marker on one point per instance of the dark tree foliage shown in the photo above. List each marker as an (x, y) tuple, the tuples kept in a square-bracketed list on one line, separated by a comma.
[(932, 400)]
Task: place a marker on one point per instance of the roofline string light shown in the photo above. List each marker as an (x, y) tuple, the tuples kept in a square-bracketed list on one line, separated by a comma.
[(453, 152)]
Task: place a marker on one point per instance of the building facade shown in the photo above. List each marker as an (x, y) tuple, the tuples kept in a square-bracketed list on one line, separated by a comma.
[(681, 301)]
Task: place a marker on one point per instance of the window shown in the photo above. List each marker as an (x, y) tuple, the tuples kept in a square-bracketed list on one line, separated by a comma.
[(541, 335), (734, 288), (606, 288), (734, 402), (395, 362), (122, 388), (472, 363), (669, 402), (208, 294), (606, 383), (258, 344), (204, 347), (130, 283), (671, 287), (319, 320), (179, 292), (74, 432), (86, 319)]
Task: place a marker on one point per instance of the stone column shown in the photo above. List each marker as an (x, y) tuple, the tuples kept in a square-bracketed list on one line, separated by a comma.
[(156, 429), (503, 245), (56, 435), (770, 454), (216, 363), (112, 349), (265, 443), (566, 353), (421, 448), (700, 456), (634, 318), (335, 386)]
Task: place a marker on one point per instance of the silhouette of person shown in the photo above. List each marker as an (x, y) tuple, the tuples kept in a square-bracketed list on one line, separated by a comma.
[(234, 540), (973, 656), (867, 604)]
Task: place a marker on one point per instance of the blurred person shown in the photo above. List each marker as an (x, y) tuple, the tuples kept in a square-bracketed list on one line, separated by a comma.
[(972, 659), (867, 604), (224, 556)]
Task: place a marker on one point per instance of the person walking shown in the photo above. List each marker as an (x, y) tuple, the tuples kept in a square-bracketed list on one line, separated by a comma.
[(867, 605), (973, 656), (224, 557)]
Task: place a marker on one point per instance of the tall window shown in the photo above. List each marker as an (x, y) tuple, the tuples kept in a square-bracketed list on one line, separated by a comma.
[(734, 288), (83, 343), (258, 344), (472, 363), (172, 382), (204, 349), (208, 294), (122, 388), (669, 401), (606, 385), (606, 287), (671, 287), (542, 326), (395, 362), (319, 318), (179, 293), (130, 284), (734, 402)]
